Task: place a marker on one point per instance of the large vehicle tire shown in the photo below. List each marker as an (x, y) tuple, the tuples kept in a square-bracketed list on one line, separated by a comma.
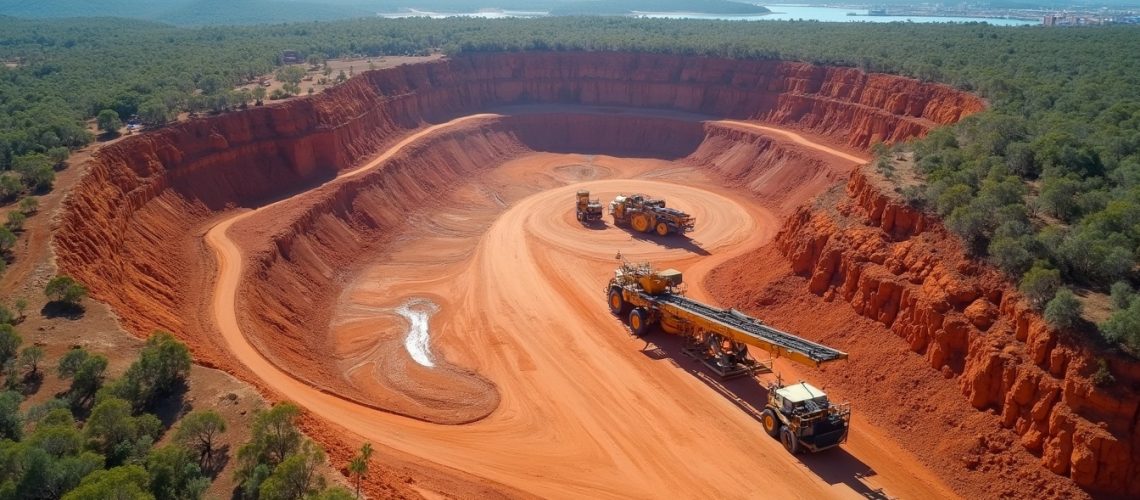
[(638, 321), (662, 229), (789, 440), (770, 422), (617, 302), (640, 223)]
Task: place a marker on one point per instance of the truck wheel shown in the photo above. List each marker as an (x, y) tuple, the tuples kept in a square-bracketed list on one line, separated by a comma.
[(789, 440), (640, 223), (617, 302), (638, 322), (770, 422), (662, 229)]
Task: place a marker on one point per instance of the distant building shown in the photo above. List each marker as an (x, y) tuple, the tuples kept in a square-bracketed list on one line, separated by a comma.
[(1049, 20), (290, 57)]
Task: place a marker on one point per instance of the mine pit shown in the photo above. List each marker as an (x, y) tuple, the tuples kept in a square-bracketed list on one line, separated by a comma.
[(274, 240)]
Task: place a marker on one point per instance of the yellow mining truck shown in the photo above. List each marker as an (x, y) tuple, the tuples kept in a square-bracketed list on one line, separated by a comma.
[(799, 415), (588, 211), (645, 214)]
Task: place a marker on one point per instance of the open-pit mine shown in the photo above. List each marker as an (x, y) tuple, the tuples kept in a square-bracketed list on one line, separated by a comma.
[(400, 256)]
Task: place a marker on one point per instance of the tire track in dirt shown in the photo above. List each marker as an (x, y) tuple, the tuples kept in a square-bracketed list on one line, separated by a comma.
[(585, 411)]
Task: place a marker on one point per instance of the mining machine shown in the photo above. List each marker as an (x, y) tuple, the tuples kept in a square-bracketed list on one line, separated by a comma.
[(799, 415), (588, 211), (645, 214)]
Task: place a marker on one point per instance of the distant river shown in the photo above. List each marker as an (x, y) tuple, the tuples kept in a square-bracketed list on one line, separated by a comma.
[(779, 12)]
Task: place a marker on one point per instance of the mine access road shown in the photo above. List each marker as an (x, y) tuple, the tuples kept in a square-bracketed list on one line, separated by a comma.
[(583, 409)]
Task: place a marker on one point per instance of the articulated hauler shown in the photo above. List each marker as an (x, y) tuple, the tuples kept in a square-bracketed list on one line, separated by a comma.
[(645, 214), (587, 210), (799, 415)]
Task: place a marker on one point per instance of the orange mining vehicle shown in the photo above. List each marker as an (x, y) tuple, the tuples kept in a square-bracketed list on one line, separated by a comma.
[(588, 211), (645, 214), (799, 415)]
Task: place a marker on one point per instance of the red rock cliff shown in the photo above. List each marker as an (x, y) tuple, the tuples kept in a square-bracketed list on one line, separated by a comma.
[(854, 107), (122, 230), (131, 228), (903, 269)]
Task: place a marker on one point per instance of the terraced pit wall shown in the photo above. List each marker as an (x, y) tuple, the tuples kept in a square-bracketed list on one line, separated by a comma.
[(131, 229), (903, 269), (124, 229)]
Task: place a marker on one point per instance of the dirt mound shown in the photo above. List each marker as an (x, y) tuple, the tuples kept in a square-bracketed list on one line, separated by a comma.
[(132, 229)]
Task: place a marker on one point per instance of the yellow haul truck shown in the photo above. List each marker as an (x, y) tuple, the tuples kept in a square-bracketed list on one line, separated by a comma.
[(799, 415), (645, 214), (586, 210)]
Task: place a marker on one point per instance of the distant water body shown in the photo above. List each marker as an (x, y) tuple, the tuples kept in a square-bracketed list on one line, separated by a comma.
[(488, 14), (835, 15), (780, 12)]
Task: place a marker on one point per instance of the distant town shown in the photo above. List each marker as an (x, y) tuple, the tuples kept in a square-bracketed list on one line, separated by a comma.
[(1047, 17)]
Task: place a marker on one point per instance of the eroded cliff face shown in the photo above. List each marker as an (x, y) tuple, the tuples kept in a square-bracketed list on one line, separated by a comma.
[(853, 107), (124, 229), (777, 172), (131, 230), (901, 268)]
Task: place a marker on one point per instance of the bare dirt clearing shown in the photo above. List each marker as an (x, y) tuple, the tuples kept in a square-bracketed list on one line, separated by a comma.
[(311, 83)]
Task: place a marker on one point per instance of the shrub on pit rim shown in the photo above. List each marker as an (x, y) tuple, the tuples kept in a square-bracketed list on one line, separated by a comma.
[(65, 295), (1064, 310), (1103, 377)]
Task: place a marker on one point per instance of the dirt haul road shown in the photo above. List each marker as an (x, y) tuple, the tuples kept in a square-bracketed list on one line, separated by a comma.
[(585, 410)]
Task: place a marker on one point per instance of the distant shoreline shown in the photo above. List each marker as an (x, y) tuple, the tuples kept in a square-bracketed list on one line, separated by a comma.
[(979, 17)]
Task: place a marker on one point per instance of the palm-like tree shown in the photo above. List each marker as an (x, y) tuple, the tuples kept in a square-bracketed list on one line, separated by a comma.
[(359, 465), (357, 468)]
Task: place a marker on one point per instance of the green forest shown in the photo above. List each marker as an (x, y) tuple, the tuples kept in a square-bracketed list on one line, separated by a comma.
[(1046, 184), (134, 436), (238, 12), (100, 438)]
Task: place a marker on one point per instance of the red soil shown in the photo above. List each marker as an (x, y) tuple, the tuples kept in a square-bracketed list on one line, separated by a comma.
[(132, 231), (865, 253)]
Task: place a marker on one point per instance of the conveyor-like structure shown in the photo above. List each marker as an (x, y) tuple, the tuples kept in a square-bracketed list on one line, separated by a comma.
[(718, 337), (740, 327), (800, 415)]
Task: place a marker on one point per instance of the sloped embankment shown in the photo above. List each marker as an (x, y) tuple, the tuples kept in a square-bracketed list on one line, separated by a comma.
[(866, 251), (130, 229)]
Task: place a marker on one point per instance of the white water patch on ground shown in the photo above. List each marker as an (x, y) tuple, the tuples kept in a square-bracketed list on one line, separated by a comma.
[(417, 339)]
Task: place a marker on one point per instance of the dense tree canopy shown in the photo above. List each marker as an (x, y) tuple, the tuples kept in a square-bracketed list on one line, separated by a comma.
[(162, 366), (278, 462), (46, 453), (226, 12)]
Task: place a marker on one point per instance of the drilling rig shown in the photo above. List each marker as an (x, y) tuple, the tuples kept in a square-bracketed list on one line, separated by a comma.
[(645, 214), (586, 210), (799, 415)]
